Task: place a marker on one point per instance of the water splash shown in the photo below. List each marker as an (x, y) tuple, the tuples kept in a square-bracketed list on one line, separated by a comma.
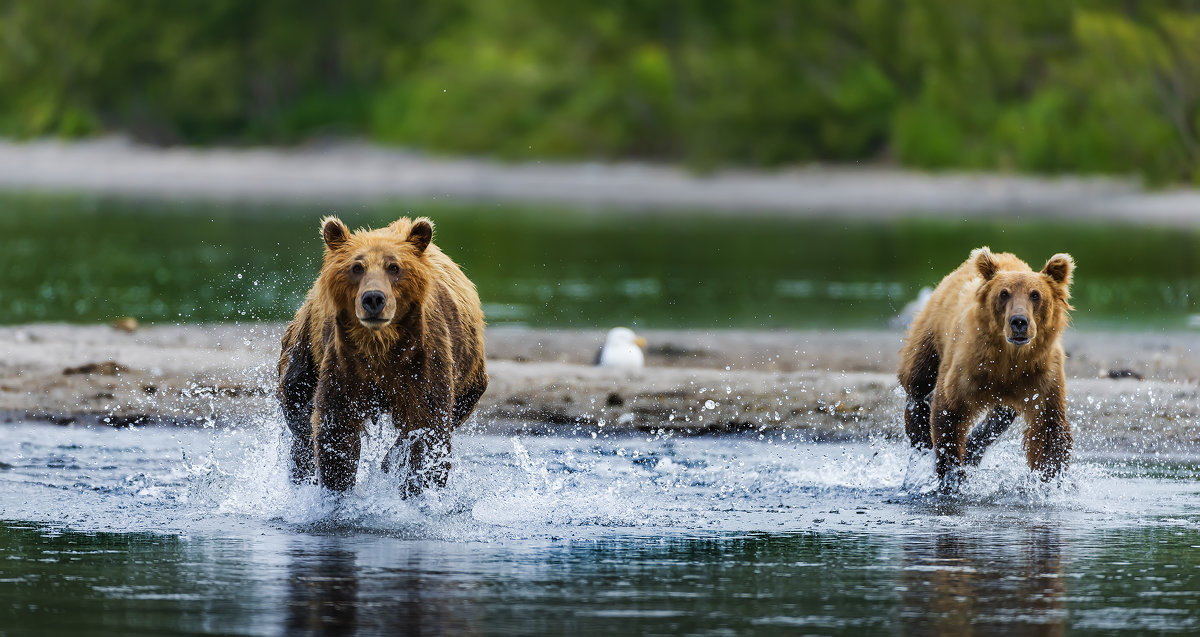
[(561, 486), (538, 486)]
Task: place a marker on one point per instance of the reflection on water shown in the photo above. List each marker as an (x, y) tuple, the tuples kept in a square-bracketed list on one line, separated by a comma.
[(164, 262), (339, 586), (322, 593), (54, 581), (162, 531), (1029, 581), (958, 584)]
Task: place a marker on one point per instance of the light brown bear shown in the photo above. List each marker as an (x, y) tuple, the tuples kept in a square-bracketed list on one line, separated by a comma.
[(989, 339), (391, 326)]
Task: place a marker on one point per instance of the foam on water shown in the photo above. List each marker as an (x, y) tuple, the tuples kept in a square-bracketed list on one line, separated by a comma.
[(553, 486), (534, 533)]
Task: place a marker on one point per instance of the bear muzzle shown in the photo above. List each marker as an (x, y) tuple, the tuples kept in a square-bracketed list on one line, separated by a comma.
[(371, 305), (1018, 330)]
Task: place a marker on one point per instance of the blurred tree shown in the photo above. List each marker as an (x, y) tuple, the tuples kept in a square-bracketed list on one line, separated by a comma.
[(1082, 86)]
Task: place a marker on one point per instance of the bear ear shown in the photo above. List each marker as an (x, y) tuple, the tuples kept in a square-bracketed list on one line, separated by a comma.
[(985, 262), (1059, 268), (334, 232), (421, 234)]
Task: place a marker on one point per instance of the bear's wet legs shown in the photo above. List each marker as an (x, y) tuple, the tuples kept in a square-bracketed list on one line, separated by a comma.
[(337, 447), (465, 403), (430, 460), (998, 420), (427, 459), (949, 433), (916, 422), (919, 376), (298, 382), (1048, 439), (299, 423), (304, 462)]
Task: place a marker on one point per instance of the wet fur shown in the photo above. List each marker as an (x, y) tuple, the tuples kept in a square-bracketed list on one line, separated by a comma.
[(424, 368), (957, 362)]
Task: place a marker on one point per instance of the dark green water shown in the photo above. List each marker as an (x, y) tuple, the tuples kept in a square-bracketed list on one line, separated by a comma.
[(87, 260), (163, 531), (1029, 580)]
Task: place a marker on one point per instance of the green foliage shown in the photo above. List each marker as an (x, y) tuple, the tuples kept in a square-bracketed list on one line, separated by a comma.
[(1089, 86)]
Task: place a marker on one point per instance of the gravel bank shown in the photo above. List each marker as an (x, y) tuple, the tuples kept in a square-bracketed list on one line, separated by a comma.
[(347, 172), (817, 384)]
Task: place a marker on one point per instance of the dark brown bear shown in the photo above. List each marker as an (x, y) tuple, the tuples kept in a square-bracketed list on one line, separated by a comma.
[(989, 339), (391, 327)]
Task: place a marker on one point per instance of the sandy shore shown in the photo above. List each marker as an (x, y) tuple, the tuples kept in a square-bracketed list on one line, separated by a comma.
[(347, 172), (819, 385)]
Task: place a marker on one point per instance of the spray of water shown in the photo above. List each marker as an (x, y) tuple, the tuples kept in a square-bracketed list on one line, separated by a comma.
[(504, 486)]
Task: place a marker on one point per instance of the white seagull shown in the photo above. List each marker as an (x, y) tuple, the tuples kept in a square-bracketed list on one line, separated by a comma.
[(622, 349)]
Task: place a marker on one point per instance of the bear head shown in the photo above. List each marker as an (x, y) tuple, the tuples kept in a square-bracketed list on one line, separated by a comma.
[(376, 277), (1022, 304)]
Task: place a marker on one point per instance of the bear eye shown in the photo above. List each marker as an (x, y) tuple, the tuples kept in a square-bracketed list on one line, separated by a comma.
[(357, 268), (1035, 296), (1004, 294), (394, 269)]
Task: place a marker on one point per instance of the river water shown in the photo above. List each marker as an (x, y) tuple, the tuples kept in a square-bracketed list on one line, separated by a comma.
[(197, 263), (172, 531)]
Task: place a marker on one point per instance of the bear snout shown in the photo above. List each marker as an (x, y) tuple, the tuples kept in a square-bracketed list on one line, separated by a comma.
[(1018, 329), (373, 302)]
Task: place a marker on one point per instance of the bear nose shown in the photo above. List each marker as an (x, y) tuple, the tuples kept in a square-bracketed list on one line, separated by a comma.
[(373, 301), (1019, 323)]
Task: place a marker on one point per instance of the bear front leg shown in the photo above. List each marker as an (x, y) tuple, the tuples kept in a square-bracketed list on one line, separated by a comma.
[(297, 383), (949, 424), (917, 423), (304, 461), (1048, 436), (918, 376), (465, 403), (997, 421), (429, 459), (426, 453), (424, 446), (337, 446)]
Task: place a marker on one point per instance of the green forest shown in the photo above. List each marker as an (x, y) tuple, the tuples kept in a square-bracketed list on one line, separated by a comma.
[(1101, 86)]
